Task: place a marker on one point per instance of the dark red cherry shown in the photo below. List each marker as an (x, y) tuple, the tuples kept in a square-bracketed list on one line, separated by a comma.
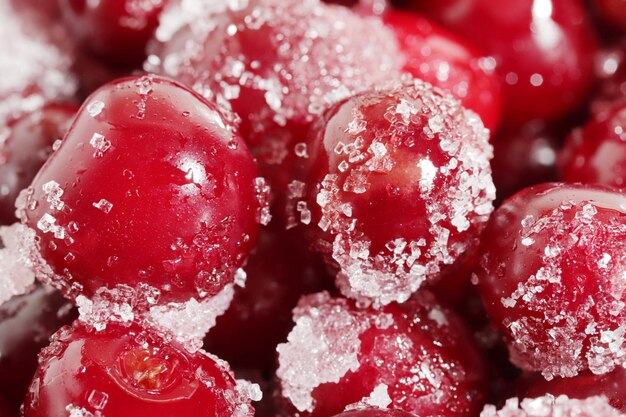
[(405, 146), (612, 12), (440, 58), (582, 386), (551, 275), (5, 410), (27, 145), (115, 30), (596, 153), (26, 323), (129, 371), (415, 356), (374, 412), (150, 187), (542, 49), (280, 269)]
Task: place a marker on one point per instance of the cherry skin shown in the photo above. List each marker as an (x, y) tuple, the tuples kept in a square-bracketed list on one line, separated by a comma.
[(612, 12), (415, 356), (26, 323), (541, 48), (150, 187), (597, 152), (374, 412), (279, 271), (116, 31), (27, 146), (395, 147), (582, 386), (611, 72), (551, 276), (440, 58), (129, 371)]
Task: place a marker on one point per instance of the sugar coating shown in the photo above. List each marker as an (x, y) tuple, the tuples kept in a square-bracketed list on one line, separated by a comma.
[(15, 278), (549, 406), (276, 63), (455, 189)]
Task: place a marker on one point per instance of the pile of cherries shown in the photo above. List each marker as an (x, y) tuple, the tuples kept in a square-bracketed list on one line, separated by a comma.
[(372, 208)]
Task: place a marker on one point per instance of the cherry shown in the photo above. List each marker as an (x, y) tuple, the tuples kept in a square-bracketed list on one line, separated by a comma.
[(440, 58), (374, 412), (541, 48), (127, 372), (279, 271), (405, 146), (611, 71), (150, 187), (548, 406), (612, 12), (278, 64), (582, 386), (27, 145), (551, 276), (116, 31), (597, 152), (415, 356), (26, 323)]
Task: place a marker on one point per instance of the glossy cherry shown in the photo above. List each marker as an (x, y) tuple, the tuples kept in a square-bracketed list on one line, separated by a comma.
[(150, 187), (405, 146), (542, 49), (611, 73), (415, 356), (440, 58), (116, 31), (550, 271), (374, 412), (597, 152), (129, 371), (27, 145), (26, 323), (279, 271)]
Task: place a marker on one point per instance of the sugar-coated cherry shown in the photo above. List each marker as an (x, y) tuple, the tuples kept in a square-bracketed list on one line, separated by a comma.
[(26, 146), (549, 406), (26, 323), (596, 153), (404, 146), (584, 385), (440, 58), (542, 49), (279, 271), (374, 412), (416, 356), (116, 31), (551, 275), (278, 64), (129, 371), (151, 186)]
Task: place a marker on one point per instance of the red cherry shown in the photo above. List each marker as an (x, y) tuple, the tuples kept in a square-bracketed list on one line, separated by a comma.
[(407, 146), (374, 412), (126, 372), (612, 12), (116, 31), (278, 64), (542, 49), (582, 386), (549, 406), (27, 146), (440, 58), (414, 356), (26, 323), (551, 274), (611, 71), (150, 187), (597, 152), (279, 271)]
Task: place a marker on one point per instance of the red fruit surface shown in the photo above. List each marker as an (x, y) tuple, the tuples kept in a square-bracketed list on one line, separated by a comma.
[(584, 385), (115, 30), (612, 12), (26, 323), (405, 146), (126, 372), (150, 187), (278, 64), (549, 406), (415, 356), (279, 271), (542, 49), (374, 412), (611, 72), (596, 153), (27, 145), (440, 58), (551, 275)]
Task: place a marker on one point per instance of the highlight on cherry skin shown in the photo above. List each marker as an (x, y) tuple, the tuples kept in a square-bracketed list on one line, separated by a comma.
[(176, 222)]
